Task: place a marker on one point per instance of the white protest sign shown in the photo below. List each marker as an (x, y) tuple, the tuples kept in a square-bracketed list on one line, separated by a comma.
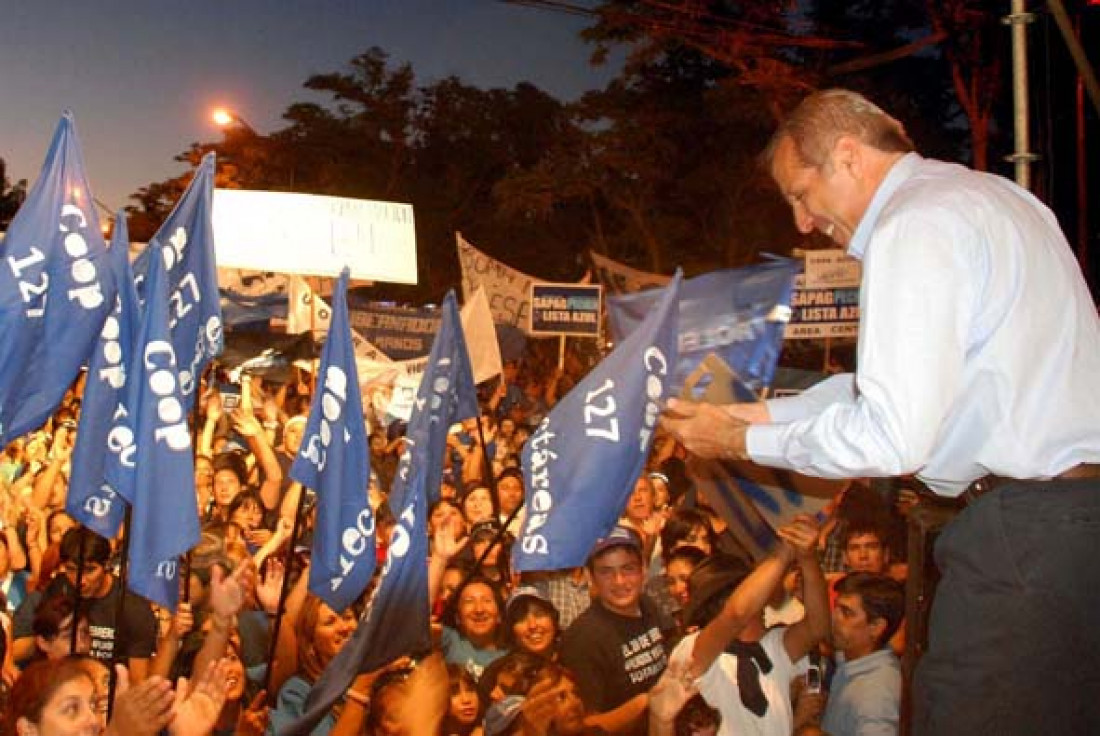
[(315, 235)]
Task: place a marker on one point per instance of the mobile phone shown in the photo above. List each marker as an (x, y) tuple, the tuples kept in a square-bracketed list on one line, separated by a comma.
[(813, 679), (231, 395)]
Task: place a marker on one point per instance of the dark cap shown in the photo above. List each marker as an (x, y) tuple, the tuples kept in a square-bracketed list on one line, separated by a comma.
[(525, 592), (714, 575), (487, 528), (619, 536)]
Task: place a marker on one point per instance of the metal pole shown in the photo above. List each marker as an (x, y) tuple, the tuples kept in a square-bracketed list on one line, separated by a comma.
[(1082, 171), (1022, 156), (120, 609)]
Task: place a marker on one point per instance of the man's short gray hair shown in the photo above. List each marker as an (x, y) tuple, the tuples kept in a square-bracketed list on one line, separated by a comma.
[(822, 118)]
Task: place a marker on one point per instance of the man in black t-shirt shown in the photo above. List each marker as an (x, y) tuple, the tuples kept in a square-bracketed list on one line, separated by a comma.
[(136, 637), (618, 647)]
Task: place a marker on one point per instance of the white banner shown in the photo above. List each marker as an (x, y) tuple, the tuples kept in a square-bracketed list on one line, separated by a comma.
[(481, 337), (619, 278), (508, 290), (314, 235)]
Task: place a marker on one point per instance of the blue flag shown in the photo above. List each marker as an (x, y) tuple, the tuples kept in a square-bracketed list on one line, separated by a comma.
[(580, 465), (447, 394), (55, 288), (186, 242), (334, 461), (739, 314), (397, 618), (156, 473), (90, 499)]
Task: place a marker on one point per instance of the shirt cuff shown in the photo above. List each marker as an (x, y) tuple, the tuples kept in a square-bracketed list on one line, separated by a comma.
[(764, 445)]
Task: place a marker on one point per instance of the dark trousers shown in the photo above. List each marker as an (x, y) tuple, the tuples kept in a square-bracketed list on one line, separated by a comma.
[(1014, 639)]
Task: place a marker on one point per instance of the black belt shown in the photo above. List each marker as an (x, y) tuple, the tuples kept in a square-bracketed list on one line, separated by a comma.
[(990, 483)]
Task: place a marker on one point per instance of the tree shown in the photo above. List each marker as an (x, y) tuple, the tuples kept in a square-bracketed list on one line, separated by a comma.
[(11, 196)]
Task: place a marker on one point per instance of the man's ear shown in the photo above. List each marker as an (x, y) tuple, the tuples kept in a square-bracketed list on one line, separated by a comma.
[(847, 155), (878, 627), (23, 727)]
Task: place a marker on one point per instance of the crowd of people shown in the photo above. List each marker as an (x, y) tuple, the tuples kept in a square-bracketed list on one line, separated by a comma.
[(603, 649)]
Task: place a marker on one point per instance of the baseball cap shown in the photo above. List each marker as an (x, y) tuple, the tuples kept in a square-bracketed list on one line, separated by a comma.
[(619, 536), (487, 528), (502, 714), (522, 592)]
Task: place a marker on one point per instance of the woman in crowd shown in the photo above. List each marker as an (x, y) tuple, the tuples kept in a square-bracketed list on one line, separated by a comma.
[(473, 638), (52, 698), (53, 628), (320, 632), (531, 623), (477, 504), (247, 512), (465, 710)]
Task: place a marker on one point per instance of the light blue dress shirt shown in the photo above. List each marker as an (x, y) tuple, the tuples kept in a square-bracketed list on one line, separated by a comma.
[(979, 343)]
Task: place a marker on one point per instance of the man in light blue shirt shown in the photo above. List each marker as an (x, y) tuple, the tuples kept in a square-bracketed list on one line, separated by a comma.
[(978, 359), (865, 696)]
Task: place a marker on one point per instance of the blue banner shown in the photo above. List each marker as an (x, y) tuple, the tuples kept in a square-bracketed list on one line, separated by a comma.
[(397, 619), (186, 243), (55, 288), (738, 314), (334, 461), (90, 499), (447, 394), (565, 309), (402, 333), (581, 463), (158, 475)]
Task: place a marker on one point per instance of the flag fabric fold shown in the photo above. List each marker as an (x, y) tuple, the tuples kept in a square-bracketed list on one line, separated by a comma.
[(155, 470), (55, 288), (185, 241), (90, 499), (580, 464), (446, 395), (334, 461), (738, 314)]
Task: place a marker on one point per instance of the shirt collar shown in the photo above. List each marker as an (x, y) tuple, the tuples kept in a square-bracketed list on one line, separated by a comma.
[(869, 662), (902, 169)]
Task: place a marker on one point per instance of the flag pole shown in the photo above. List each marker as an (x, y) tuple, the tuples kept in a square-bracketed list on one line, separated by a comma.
[(283, 593), (185, 568), (123, 581), (78, 598)]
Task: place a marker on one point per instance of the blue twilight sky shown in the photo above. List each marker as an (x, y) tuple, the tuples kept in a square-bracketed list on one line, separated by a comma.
[(142, 77)]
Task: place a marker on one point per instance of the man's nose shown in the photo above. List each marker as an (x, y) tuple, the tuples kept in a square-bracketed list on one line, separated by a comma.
[(803, 220)]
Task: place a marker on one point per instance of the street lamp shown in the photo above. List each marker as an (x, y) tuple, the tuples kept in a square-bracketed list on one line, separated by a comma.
[(224, 118)]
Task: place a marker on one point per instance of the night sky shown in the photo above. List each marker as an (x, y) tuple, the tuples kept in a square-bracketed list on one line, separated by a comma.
[(143, 77)]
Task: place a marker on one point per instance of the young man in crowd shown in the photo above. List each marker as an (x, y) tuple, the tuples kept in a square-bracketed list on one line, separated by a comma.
[(135, 635), (741, 669), (617, 647), (865, 696)]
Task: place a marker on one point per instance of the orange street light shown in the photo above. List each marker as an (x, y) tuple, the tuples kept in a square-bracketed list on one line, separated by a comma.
[(224, 118)]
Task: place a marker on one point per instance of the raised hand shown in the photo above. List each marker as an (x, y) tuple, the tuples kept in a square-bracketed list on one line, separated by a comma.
[(801, 536), (197, 706), (140, 710)]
